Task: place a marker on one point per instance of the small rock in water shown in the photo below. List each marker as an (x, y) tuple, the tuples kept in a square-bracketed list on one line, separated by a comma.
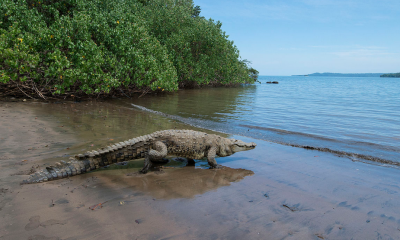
[(138, 221)]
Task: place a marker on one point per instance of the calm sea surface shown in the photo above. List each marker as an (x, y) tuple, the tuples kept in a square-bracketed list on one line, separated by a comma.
[(353, 115)]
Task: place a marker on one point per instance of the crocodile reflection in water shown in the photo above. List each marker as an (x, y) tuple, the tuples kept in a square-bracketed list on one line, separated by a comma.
[(185, 182)]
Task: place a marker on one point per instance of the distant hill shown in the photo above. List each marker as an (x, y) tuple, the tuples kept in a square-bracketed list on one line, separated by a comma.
[(327, 74), (393, 75)]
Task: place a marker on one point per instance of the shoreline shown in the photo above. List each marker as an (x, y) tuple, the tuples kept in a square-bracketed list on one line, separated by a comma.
[(271, 192), (351, 155)]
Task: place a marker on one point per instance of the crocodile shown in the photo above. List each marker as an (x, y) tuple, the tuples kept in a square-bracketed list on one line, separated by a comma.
[(153, 148)]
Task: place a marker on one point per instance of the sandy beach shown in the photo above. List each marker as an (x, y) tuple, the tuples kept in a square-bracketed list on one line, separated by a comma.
[(271, 192)]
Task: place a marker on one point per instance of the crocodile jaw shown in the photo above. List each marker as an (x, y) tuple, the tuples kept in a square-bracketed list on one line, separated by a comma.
[(238, 146)]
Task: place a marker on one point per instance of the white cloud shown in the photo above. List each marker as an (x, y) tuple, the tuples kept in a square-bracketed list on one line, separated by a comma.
[(361, 52)]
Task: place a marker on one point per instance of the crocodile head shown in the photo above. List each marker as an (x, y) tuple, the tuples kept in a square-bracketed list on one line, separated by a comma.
[(238, 145), (230, 146)]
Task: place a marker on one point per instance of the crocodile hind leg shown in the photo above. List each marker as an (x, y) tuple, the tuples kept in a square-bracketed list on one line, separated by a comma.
[(155, 155), (147, 164)]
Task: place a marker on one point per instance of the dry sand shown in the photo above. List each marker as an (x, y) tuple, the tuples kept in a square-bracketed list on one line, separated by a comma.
[(271, 192)]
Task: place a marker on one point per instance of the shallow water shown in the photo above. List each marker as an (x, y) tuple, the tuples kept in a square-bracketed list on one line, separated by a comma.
[(282, 192), (359, 116), (82, 127)]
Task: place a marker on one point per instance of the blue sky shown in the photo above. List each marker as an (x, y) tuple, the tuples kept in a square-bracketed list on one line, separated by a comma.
[(286, 37)]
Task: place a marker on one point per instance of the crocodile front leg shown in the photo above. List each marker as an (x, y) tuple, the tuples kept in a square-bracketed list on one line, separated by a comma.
[(154, 155), (211, 157)]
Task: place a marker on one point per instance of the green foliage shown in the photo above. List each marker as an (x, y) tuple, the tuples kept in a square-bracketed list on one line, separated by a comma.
[(97, 46), (199, 49), (253, 73), (17, 60), (393, 75), (196, 11)]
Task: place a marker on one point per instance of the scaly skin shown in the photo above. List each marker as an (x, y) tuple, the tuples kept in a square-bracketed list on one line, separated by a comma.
[(153, 147)]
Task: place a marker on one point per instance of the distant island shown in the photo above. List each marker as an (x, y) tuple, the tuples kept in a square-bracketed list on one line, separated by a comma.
[(392, 75), (327, 74)]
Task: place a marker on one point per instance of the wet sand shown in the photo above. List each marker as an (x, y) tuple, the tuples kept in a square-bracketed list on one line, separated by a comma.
[(271, 192)]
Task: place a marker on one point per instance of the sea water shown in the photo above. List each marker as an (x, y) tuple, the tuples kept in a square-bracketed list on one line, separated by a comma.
[(357, 116)]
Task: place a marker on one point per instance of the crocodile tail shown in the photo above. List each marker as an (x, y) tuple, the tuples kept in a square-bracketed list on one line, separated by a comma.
[(60, 170), (82, 163)]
